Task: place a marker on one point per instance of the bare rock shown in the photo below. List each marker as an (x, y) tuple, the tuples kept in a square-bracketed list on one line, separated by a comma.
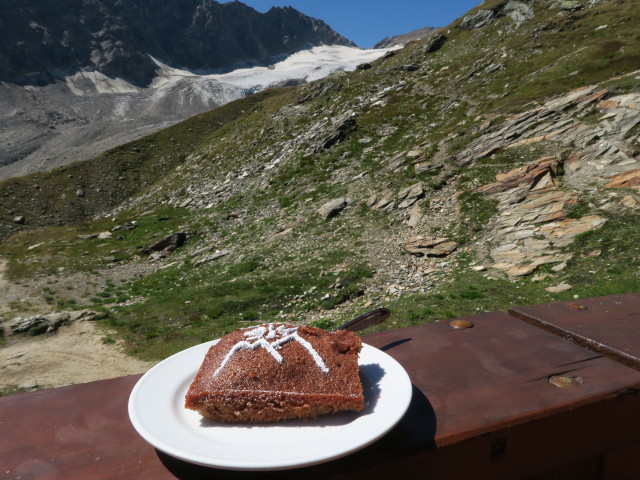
[(385, 202), (19, 220), (422, 167), (167, 244), (85, 315), (569, 5), (563, 287), (627, 179), (517, 271), (39, 324), (415, 216), (395, 162), (480, 19), (343, 125), (212, 256), (430, 247), (629, 201), (155, 256), (410, 195), (545, 168), (559, 267), (186, 202), (434, 43), (562, 232), (333, 207), (518, 11)]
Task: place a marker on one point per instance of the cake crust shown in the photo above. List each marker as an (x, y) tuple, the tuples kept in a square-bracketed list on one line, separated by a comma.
[(277, 372)]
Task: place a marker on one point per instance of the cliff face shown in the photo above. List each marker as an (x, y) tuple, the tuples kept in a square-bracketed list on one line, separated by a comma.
[(43, 38)]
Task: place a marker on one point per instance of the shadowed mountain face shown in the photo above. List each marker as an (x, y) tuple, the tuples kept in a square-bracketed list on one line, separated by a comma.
[(42, 38)]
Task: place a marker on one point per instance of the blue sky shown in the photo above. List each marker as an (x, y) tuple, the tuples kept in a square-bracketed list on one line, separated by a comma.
[(366, 22)]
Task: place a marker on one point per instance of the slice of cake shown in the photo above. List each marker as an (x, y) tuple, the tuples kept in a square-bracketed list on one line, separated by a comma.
[(277, 372)]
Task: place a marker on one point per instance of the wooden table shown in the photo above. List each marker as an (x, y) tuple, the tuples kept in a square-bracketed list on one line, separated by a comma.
[(482, 407), (607, 325)]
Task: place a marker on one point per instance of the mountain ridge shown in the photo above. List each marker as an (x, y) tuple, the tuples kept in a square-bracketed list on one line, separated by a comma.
[(42, 39), (78, 77), (403, 38), (42, 127)]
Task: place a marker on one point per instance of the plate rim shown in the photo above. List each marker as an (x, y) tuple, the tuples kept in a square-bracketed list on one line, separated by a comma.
[(219, 463)]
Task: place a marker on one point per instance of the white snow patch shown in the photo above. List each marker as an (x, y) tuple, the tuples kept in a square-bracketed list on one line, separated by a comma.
[(306, 65)]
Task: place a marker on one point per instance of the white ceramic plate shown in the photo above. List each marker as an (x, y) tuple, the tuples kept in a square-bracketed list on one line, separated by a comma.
[(156, 410)]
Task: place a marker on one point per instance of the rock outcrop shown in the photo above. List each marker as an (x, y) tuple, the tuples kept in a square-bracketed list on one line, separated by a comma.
[(333, 207), (602, 150), (167, 244), (397, 40), (480, 19), (430, 247), (50, 323), (530, 225)]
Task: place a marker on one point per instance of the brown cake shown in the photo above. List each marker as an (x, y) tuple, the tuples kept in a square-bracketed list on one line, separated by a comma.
[(276, 372)]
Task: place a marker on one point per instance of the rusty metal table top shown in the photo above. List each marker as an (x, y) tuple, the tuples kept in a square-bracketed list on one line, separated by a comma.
[(607, 325), (468, 385)]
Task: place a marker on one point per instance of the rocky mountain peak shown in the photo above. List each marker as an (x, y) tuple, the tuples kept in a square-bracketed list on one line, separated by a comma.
[(41, 39)]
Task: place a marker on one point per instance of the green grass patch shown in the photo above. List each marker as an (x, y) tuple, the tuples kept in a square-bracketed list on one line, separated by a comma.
[(616, 267), (180, 308), (65, 247)]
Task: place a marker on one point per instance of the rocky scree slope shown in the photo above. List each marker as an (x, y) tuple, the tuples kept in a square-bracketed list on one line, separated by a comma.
[(492, 164), (80, 77)]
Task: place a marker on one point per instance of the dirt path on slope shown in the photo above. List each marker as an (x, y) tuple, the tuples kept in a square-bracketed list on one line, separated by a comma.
[(74, 354)]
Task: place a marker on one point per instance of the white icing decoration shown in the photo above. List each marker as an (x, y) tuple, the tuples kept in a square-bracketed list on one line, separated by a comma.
[(259, 337)]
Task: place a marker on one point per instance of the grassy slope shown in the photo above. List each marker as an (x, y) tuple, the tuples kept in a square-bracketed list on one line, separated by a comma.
[(49, 198), (270, 275)]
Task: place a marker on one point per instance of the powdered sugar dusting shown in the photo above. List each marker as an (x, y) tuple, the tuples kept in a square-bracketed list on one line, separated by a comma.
[(271, 338)]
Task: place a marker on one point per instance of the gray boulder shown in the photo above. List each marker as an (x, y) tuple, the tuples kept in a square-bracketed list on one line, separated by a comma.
[(434, 43), (518, 12), (430, 247), (39, 324), (480, 19), (342, 126), (333, 207), (167, 244), (410, 195)]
